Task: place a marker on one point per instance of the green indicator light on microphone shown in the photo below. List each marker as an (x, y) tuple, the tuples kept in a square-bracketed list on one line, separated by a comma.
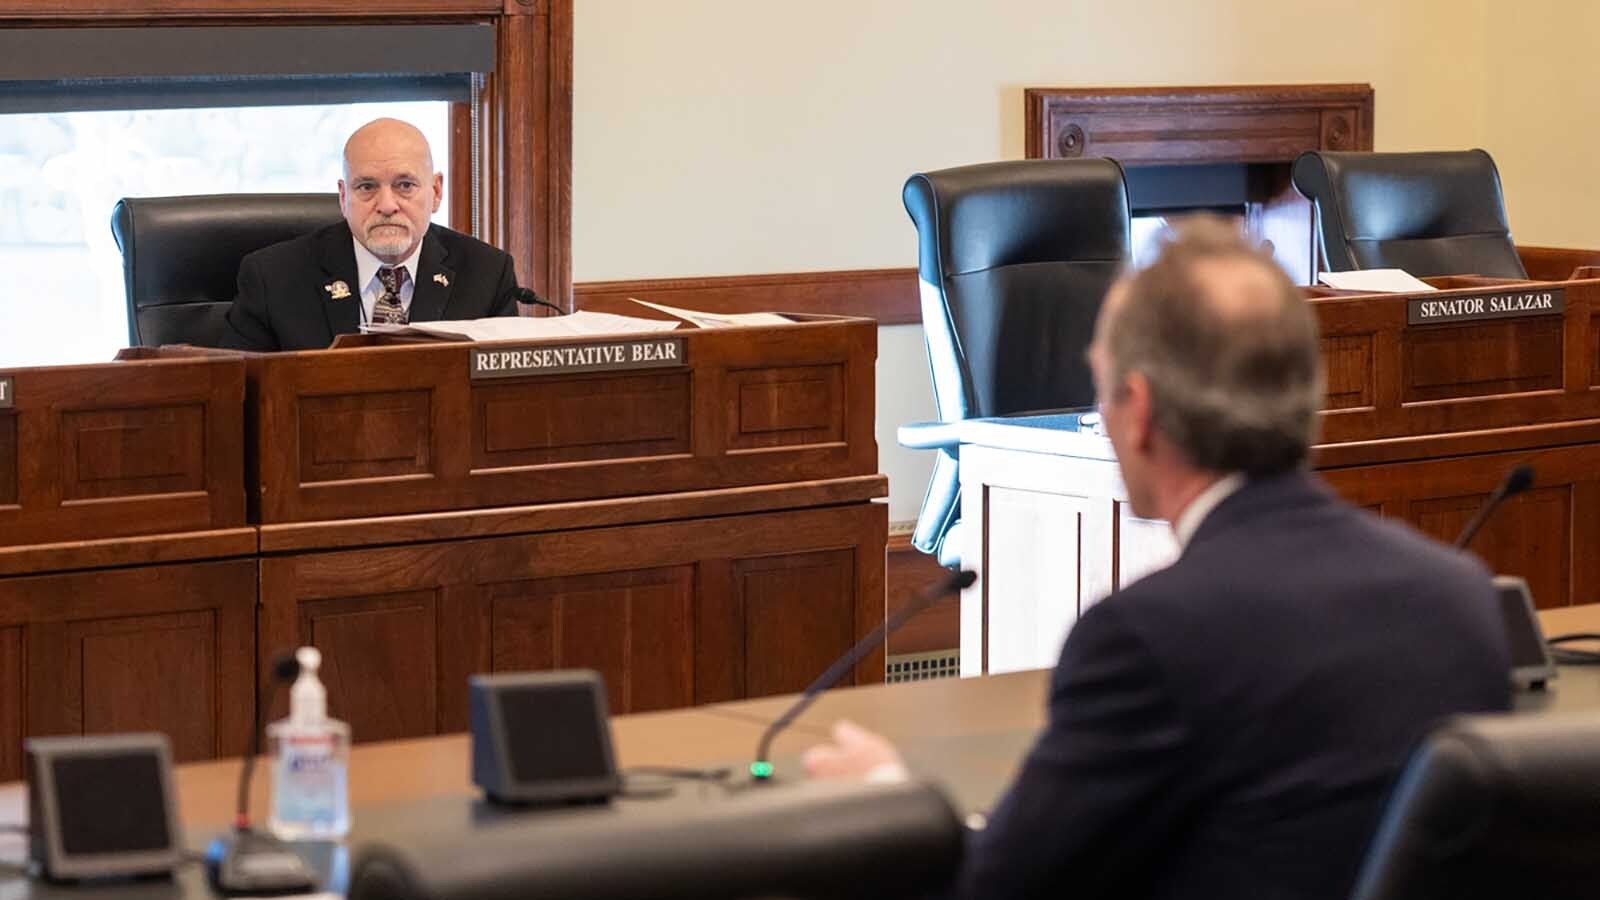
[(761, 769)]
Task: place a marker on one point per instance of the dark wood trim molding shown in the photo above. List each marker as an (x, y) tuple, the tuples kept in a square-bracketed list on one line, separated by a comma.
[(1555, 263), (524, 164), (1217, 124), (888, 295)]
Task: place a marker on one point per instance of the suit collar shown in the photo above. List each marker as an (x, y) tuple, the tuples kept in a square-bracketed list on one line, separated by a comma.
[(1260, 496), (339, 293), (435, 278)]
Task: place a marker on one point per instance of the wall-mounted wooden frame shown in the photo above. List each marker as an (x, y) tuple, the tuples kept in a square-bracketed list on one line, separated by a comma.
[(523, 157), (1261, 126)]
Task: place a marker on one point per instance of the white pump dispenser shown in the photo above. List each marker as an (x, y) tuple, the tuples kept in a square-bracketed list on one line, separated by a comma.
[(310, 783)]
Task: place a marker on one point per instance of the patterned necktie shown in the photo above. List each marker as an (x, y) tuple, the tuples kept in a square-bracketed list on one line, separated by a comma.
[(388, 311)]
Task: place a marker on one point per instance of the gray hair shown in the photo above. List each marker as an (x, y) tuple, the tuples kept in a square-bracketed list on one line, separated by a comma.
[(1234, 369)]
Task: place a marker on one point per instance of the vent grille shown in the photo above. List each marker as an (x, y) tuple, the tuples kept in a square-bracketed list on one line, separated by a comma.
[(922, 666)]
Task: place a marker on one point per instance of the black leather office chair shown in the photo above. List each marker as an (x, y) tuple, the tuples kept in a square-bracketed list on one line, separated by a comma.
[(1014, 259), (1426, 213), (1493, 807), (180, 256), (816, 840)]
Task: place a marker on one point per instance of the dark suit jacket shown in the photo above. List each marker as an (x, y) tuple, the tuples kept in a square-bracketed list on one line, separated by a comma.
[(1229, 727), (284, 300)]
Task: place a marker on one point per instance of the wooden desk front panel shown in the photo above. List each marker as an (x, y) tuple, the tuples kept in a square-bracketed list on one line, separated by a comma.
[(394, 430), (157, 648), (125, 448), (672, 614), (1387, 379), (1548, 535)]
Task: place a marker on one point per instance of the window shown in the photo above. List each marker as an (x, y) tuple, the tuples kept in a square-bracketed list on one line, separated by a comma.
[(61, 173)]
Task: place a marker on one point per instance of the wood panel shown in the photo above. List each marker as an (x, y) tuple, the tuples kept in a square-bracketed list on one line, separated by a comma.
[(889, 296), (392, 430), (156, 648), (1391, 380), (1220, 124), (546, 421), (1545, 535), (630, 625), (770, 595), (13, 724), (910, 571), (1555, 263), (136, 447), (43, 10)]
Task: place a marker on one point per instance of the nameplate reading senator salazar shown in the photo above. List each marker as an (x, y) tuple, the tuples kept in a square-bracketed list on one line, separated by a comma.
[(6, 398), (1499, 305), (595, 356)]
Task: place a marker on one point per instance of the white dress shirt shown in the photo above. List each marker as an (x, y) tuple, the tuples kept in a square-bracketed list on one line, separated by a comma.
[(1188, 521), (367, 267)]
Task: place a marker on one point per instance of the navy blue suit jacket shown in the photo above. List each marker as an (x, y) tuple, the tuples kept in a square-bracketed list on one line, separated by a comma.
[(287, 298), (1229, 727)]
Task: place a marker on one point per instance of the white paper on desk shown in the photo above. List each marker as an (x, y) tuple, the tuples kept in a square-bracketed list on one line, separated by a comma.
[(1376, 281), (717, 320), (512, 328)]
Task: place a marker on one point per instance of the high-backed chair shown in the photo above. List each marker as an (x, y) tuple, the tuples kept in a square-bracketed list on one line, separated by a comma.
[(1014, 259), (1493, 807), (180, 256), (1426, 213)]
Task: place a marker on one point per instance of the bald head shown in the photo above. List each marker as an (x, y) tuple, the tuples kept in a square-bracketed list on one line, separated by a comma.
[(1227, 345), (390, 191)]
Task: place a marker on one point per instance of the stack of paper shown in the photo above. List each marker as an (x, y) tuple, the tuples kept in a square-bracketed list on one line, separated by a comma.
[(511, 328), (716, 320), (1376, 281)]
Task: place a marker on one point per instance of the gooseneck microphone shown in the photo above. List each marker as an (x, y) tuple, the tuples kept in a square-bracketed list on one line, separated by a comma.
[(246, 861), (761, 769), (1516, 481), (528, 297)]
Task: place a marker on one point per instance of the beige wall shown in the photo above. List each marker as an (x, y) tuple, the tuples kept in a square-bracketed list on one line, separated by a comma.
[(1542, 118), (740, 136)]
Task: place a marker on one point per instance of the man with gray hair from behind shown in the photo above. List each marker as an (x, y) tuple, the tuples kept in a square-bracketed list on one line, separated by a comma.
[(1228, 726)]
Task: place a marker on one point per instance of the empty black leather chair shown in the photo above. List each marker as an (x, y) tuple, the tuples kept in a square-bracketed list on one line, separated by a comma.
[(180, 256), (1492, 808), (1426, 213), (1014, 260)]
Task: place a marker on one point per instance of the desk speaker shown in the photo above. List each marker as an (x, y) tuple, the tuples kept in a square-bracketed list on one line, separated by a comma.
[(542, 737), (102, 806)]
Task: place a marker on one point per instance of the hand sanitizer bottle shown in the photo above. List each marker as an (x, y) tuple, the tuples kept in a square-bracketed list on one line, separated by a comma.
[(311, 754)]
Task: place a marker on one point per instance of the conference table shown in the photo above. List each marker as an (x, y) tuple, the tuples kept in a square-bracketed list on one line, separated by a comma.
[(967, 734)]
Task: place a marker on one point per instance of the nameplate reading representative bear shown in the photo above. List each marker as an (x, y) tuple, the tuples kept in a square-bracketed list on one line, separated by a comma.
[(1500, 305), (604, 356), (6, 390)]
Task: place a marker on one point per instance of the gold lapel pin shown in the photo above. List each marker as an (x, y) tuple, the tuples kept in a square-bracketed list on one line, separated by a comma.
[(337, 291), (441, 280)]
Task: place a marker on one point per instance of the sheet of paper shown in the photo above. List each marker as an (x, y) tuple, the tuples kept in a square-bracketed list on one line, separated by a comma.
[(1376, 281), (717, 320), (512, 328)]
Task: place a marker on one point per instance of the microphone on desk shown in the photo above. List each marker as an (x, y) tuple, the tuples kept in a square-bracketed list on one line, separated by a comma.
[(761, 769), (246, 861), (1516, 481), (528, 297)]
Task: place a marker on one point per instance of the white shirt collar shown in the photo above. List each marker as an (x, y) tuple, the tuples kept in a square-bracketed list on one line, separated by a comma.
[(367, 265), (1189, 521)]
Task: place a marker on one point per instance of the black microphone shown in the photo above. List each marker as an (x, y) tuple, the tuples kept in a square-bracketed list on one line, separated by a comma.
[(761, 769), (527, 296), (1516, 481), (246, 861)]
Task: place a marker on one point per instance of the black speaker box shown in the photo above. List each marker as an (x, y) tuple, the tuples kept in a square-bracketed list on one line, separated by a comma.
[(542, 737)]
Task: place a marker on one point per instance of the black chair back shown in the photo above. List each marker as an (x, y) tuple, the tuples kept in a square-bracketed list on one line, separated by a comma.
[(1426, 213), (180, 256), (1493, 807), (817, 840), (1014, 259)]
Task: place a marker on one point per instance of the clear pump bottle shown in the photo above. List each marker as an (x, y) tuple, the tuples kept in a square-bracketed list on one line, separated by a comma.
[(310, 762)]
